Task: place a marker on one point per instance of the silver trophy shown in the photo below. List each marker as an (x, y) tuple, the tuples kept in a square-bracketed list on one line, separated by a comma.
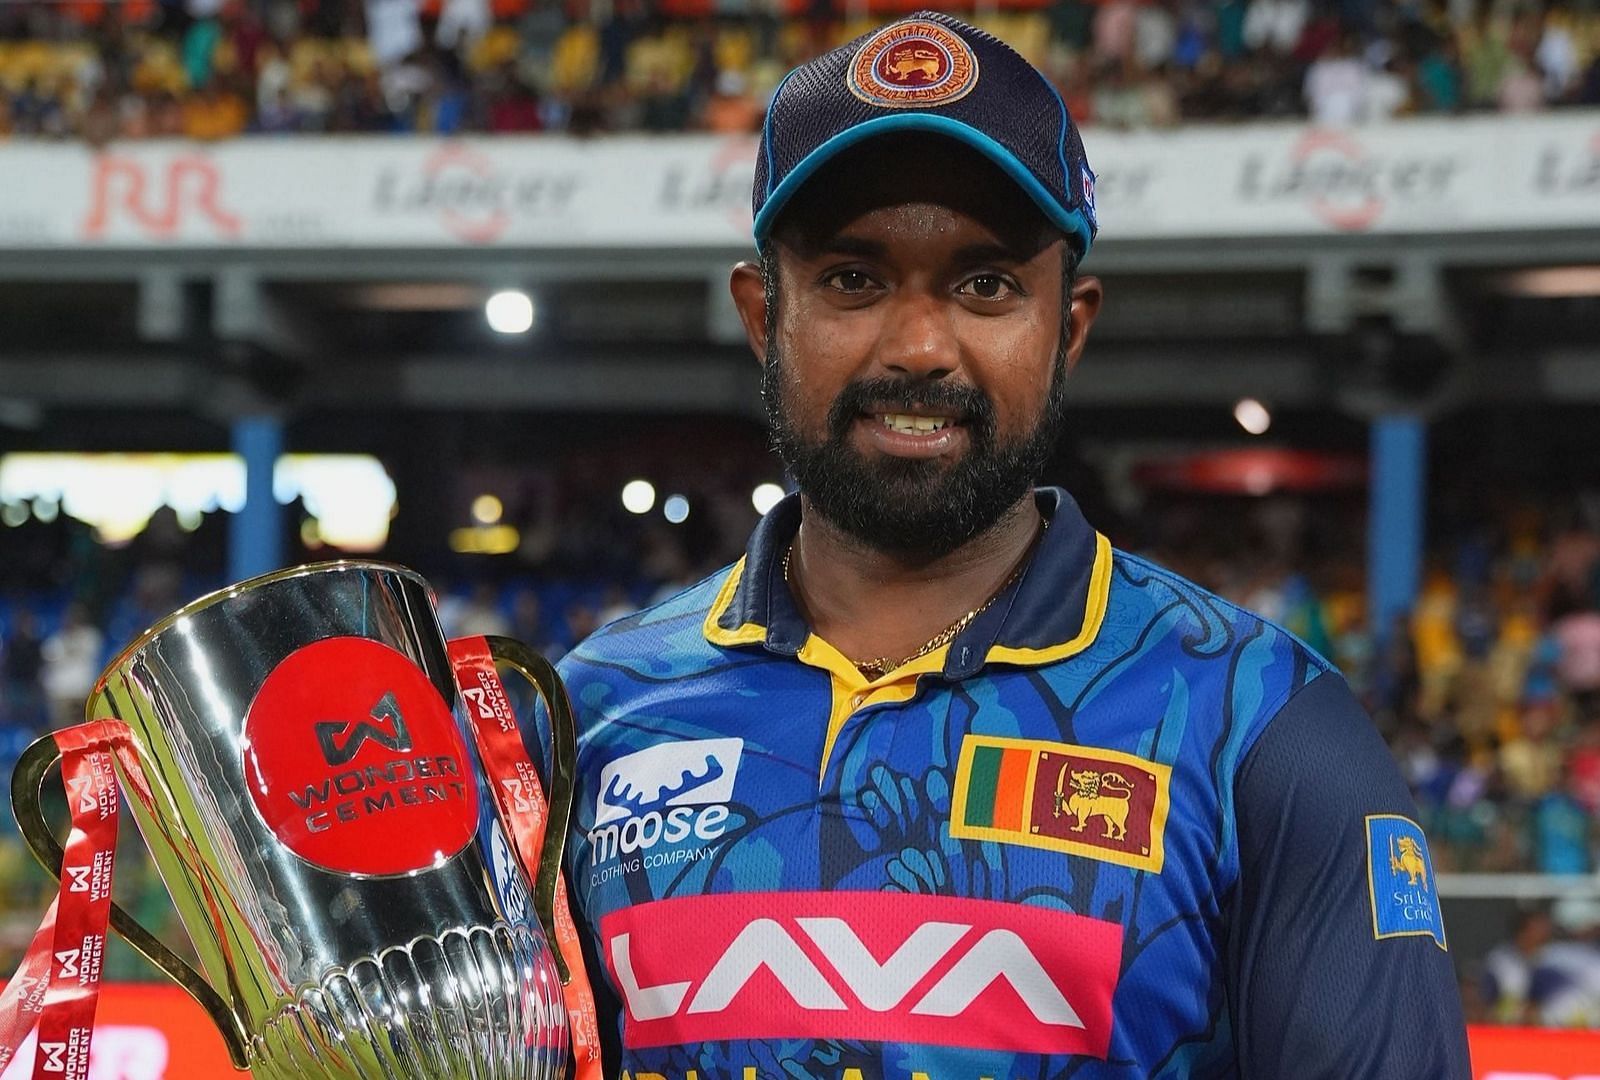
[(319, 815)]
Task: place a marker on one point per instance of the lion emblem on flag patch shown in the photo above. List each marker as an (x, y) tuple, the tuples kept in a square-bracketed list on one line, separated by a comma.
[(1086, 800)]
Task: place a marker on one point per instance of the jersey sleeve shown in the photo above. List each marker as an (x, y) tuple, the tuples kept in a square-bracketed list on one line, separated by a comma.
[(1336, 954)]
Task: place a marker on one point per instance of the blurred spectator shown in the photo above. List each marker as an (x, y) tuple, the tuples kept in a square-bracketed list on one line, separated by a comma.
[(1276, 25), (515, 106), (22, 704), (581, 621), (731, 110), (71, 663), (459, 66), (1562, 834), (1337, 85), (1508, 969), (616, 605), (463, 22), (479, 615), (216, 112), (1578, 636), (1439, 79), (527, 620), (1114, 27), (1564, 987)]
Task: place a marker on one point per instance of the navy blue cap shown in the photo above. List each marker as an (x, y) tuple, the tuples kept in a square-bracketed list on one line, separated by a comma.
[(928, 72)]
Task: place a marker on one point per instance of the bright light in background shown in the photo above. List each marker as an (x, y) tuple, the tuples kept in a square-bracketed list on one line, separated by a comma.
[(509, 312), (485, 540), (676, 509), (765, 497), (486, 509), (1252, 416), (351, 495), (638, 496), (1553, 281)]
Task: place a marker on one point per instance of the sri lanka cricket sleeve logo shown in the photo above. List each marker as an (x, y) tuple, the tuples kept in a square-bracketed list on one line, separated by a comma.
[(1101, 804), (1400, 880)]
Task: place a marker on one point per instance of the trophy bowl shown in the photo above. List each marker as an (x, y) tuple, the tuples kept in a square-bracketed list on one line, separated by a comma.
[(298, 766)]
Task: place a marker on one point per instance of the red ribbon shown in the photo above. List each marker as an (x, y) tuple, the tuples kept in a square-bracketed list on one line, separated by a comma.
[(58, 983), (520, 798)]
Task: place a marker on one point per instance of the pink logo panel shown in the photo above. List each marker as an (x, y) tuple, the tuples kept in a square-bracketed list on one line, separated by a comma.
[(873, 966)]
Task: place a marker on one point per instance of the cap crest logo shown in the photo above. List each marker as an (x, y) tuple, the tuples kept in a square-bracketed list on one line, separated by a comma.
[(913, 65)]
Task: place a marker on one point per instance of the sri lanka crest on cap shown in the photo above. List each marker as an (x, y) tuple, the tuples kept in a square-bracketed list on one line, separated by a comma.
[(913, 64)]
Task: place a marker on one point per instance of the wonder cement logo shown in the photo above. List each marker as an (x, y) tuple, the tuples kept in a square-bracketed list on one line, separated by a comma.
[(664, 794)]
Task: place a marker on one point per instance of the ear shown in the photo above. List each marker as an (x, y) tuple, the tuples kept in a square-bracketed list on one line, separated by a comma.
[(1086, 296), (750, 297)]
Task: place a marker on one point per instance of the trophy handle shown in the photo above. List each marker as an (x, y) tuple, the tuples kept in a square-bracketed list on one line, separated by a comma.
[(563, 765), (27, 785)]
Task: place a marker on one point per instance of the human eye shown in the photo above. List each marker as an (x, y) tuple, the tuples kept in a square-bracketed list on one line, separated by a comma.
[(989, 286), (851, 282)]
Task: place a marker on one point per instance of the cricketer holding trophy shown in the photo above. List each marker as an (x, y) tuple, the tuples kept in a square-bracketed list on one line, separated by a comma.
[(341, 806), (934, 783)]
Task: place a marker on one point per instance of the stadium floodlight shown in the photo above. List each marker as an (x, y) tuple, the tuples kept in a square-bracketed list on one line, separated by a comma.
[(638, 496), (676, 509), (765, 497), (487, 509), (509, 311), (1252, 416)]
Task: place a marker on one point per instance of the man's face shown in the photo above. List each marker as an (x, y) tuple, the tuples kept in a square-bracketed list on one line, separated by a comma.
[(916, 363)]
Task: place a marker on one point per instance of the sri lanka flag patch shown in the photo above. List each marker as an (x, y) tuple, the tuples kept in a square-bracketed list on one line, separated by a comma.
[(1082, 800)]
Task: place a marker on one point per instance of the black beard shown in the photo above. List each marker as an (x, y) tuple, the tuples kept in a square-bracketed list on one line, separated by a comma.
[(913, 508)]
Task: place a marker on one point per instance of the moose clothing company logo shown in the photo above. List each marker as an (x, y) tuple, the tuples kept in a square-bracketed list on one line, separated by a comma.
[(1400, 880), (1101, 804), (662, 796), (354, 760), (878, 966), (913, 65)]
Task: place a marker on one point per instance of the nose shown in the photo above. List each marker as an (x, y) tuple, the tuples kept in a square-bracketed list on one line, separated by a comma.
[(918, 339)]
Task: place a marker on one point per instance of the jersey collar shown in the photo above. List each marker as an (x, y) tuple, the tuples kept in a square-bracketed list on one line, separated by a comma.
[(1051, 612)]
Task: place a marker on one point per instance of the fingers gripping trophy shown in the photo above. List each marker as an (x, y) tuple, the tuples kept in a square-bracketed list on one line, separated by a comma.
[(341, 806)]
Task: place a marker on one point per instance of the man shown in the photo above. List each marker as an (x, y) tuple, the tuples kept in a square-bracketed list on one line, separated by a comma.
[(933, 782)]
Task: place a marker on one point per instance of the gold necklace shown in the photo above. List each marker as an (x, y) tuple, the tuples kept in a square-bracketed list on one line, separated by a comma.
[(879, 666)]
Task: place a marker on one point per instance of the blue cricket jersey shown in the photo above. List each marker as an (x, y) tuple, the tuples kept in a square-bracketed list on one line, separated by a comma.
[(1117, 828)]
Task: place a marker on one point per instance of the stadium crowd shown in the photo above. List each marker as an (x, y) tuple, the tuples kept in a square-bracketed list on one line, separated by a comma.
[(210, 69)]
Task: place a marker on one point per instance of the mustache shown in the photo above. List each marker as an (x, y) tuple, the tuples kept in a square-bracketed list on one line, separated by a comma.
[(968, 403)]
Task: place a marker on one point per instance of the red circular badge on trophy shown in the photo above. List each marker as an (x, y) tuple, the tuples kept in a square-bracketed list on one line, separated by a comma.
[(355, 762), (912, 64)]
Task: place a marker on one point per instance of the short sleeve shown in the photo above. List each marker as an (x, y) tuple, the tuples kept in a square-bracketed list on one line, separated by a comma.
[(1336, 952)]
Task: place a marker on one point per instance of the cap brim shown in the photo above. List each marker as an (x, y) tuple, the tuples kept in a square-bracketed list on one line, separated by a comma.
[(1071, 222)]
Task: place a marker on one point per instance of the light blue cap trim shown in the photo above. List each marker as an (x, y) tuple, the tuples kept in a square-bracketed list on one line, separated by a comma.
[(1071, 222)]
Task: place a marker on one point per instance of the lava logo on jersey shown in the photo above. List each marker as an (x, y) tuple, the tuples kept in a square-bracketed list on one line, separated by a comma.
[(1101, 804), (937, 970), (1400, 880)]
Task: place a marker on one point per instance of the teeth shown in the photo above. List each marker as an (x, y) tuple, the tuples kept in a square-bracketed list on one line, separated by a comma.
[(912, 425)]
